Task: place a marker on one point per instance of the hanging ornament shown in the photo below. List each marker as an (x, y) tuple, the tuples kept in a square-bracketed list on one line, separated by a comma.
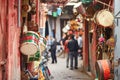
[(59, 11), (54, 14), (86, 1), (101, 39), (26, 8)]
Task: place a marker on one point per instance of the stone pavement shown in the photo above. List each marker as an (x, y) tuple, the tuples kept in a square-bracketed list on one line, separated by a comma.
[(60, 72)]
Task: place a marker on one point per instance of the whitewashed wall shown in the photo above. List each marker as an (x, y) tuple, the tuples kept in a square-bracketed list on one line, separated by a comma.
[(58, 28), (117, 39)]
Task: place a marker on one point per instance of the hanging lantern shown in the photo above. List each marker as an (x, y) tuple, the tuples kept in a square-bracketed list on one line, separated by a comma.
[(59, 11), (54, 14), (101, 39), (86, 1)]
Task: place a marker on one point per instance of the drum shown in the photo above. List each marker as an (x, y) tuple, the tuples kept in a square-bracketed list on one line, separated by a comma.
[(29, 43), (35, 57), (104, 18), (103, 69)]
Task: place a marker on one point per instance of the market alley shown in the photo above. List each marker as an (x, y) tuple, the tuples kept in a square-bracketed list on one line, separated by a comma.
[(60, 72)]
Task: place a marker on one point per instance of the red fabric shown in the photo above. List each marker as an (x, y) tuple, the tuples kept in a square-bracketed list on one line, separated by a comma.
[(70, 32), (65, 46)]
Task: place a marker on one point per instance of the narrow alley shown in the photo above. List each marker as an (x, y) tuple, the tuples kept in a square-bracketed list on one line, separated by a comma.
[(31, 31), (60, 72)]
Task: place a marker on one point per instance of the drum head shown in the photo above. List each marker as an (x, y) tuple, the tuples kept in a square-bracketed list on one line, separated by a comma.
[(28, 48), (105, 18)]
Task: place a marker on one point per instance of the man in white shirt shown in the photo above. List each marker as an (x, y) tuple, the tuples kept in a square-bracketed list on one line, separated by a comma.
[(80, 43)]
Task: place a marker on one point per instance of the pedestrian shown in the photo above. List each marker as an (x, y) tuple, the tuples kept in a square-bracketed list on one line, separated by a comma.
[(73, 52), (67, 51), (78, 37), (48, 42), (53, 51), (62, 43), (80, 44)]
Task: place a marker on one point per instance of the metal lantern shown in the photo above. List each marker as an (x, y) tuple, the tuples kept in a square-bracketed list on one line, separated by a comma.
[(59, 11), (54, 14)]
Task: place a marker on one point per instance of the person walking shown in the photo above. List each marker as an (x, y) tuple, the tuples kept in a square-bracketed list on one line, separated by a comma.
[(67, 51), (80, 43), (73, 52), (62, 43), (53, 51)]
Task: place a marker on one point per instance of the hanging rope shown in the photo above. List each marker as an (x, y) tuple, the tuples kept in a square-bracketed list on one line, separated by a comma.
[(103, 3)]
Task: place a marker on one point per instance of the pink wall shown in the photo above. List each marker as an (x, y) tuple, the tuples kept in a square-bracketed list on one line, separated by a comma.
[(13, 43), (9, 40), (3, 38)]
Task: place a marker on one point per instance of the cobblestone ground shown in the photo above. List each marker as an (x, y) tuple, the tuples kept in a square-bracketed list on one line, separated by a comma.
[(60, 72)]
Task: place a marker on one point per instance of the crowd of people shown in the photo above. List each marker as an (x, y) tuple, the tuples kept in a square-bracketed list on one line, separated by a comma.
[(71, 44)]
